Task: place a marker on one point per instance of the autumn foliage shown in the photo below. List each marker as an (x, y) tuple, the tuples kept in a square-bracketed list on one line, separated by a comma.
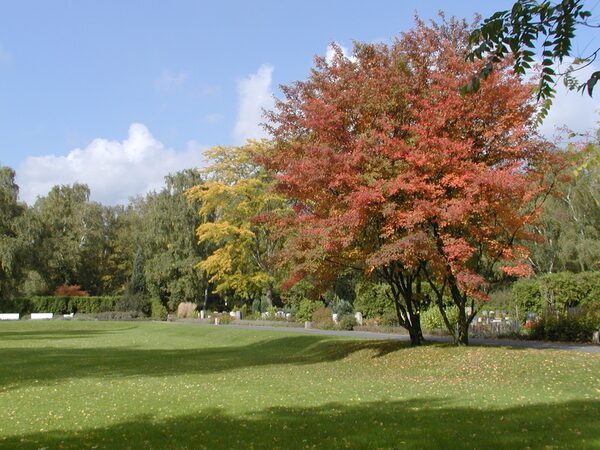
[(394, 171), (70, 291)]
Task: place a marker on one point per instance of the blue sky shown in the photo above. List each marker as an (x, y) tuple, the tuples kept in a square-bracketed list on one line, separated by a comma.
[(116, 93)]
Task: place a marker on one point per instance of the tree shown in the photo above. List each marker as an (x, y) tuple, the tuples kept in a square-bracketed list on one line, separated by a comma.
[(519, 30), (14, 245), (569, 226), (71, 238), (167, 234), (393, 171), (137, 284), (234, 201)]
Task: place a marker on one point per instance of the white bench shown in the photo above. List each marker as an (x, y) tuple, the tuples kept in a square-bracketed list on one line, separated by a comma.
[(9, 316), (41, 316)]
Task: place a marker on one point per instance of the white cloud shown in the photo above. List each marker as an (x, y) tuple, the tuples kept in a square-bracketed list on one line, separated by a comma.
[(114, 171), (330, 53), (255, 94), (579, 113), (170, 80)]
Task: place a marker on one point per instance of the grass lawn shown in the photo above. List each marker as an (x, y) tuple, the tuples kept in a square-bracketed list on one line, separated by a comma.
[(148, 385)]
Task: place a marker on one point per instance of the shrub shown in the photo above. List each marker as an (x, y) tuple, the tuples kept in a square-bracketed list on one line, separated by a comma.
[(243, 310), (60, 305), (93, 304), (111, 315), (340, 306), (302, 290), (306, 308), (563, 329), (346, 322), (264, 304), (271, 312), (185, 310), (432, 318), (321, 318), (157, 310), (224, 318), (389, 319), (256, 307), (133, 302), (372, 300), (70, 291), (555, 291)]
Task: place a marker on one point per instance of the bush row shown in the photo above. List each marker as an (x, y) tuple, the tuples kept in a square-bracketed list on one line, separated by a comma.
[(60, 305), (579, 328), (556, 291)]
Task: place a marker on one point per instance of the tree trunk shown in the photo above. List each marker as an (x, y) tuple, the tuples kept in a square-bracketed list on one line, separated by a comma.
[(415, 332), (462, 333), (416, 337), (462, 327)]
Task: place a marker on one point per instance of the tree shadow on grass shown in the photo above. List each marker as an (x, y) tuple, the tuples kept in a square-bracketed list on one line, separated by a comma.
[(24, 366), (57, 334), (416, 423)]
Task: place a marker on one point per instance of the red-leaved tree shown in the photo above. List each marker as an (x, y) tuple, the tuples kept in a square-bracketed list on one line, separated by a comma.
[(392, 170)]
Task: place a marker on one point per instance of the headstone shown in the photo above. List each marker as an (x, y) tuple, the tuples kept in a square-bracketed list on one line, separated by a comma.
[(236, 314), (288, 316), (307, 324), (9, 316), (334, 316), (359, 318), (202, 314), (68, 316), (216, 321), (41, 316), (280, 315), (596, 337)]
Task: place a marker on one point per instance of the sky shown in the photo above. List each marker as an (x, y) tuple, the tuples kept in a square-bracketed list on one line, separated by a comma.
[(117, 94)]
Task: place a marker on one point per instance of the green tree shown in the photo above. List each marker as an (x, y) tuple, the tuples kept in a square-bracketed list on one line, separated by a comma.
[(167, 234), (72, 238), (138, 279), (14, 245), (569, 227)]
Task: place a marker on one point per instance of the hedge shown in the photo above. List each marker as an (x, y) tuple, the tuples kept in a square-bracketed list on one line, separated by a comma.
[(557, 292), (60, 305)]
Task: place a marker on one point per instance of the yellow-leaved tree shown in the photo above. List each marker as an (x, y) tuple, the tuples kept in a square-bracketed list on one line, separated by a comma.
[(236, 201)]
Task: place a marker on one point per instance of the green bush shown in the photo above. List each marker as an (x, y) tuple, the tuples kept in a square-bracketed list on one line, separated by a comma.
[(372, 300), (271, 312), (302, 290), (157, 310), (556, 292), (133, 302), (306, 308), (579, 329), (14, 305), (340, 306), (346, 322), (111, 315), (60, 305), (431, 318), (322, 318), (224, 318)]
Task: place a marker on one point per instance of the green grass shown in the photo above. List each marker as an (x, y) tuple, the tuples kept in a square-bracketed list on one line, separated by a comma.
[(146, 385)]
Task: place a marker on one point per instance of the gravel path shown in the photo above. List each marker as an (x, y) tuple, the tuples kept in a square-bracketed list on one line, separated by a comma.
[(588, 348)]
